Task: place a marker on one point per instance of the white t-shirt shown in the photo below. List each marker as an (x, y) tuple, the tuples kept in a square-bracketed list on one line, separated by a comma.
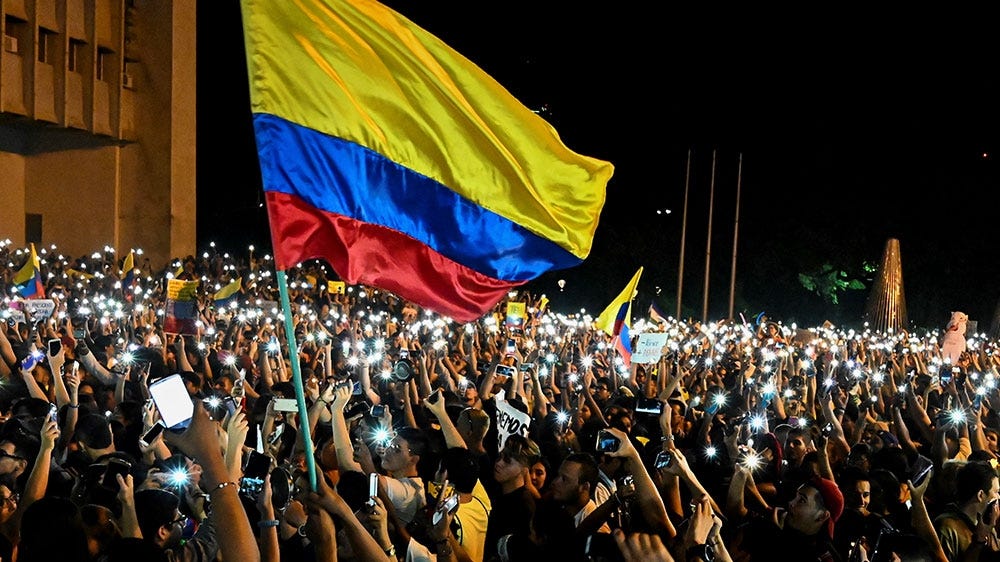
[(406, 495)]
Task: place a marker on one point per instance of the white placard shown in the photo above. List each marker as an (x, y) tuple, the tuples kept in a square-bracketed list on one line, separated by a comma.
[(39, 309), (649, 347)]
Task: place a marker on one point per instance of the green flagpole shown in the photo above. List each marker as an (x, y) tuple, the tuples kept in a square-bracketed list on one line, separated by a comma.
[(300, 396)]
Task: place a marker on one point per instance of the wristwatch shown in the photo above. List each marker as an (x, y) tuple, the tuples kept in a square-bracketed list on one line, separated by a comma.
[(705, 552)]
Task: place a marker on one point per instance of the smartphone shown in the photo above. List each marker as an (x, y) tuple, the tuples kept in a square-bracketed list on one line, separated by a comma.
[(449, 505), (505, 371), (286, 405), (378, 410), (55, 346), (258, 466), (827, 430), (527, 366), (921, 468), (404, 353), (607, 442), (276, 434), (230, 405), (372, 488), (54, 413), (511, 346), (434, 397), (115, 467), (648, 406), (152, 434), (29, 362), (172, 401), (663, 459), (79, 333)]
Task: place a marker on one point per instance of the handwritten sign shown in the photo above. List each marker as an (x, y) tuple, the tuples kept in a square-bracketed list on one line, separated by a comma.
[(649, 347)]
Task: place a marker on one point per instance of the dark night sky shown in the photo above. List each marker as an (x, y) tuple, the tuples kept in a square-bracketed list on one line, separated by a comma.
[(849, 137)]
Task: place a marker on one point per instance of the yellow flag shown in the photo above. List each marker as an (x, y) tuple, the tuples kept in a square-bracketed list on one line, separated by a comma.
[(620, 310), (336, 287), (128, 265)]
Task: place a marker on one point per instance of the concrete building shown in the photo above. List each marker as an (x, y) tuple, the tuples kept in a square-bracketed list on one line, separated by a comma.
[(97, 125)]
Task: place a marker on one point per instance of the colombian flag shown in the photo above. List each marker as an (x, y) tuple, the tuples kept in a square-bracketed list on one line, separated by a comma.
[(623, 344), (619, 312), (228, 294), (128, 272), (29, 278), (403, 164)]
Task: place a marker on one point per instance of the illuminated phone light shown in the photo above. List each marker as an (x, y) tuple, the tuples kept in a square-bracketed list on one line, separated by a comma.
[(758, 422), (788, 393), (752, 460), (562, 417), (213, 401), (956, 416), (710, 452)]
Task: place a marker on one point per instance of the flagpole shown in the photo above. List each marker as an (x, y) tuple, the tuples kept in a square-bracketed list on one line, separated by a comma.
[(736, 232), (300, 398), (684, 221), (708, 245)]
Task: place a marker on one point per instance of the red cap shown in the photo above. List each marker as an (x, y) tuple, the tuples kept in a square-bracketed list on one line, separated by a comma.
[(833, 499)]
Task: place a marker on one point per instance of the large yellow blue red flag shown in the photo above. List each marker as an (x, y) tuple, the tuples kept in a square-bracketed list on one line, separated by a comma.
[(29, 277), (403, 164), (619, 312)]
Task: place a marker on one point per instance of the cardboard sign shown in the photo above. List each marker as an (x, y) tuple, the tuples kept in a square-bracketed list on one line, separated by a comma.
[(649, 347), (181, 311), (515, 318)]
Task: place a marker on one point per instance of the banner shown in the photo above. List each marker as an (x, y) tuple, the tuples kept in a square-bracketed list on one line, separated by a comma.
[(181, 314), (509, 420)]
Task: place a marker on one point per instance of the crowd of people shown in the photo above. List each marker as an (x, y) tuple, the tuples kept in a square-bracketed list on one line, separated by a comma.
[(497, 440)]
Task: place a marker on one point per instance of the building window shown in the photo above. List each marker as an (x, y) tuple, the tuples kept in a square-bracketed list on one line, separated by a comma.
[(104, 63), (33, 228), (75, 55), (47, 45), (12, 35)]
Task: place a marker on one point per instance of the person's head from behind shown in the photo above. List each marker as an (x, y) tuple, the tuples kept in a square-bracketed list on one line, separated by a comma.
[(52, 529), (460, 467), (976, 485), (472, 425), (101, 528), (816, 507), (160, 519), (93, 434), (404, 451), (575, 480)]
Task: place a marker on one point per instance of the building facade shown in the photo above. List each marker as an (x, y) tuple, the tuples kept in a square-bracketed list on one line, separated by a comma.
[(97, 125)]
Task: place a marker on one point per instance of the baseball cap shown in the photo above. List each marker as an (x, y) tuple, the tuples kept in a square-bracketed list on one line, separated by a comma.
[(833, 499)]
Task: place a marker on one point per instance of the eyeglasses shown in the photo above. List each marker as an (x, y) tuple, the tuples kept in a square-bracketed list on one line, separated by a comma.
[(12, 499), (182, 520), (4, 454)]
